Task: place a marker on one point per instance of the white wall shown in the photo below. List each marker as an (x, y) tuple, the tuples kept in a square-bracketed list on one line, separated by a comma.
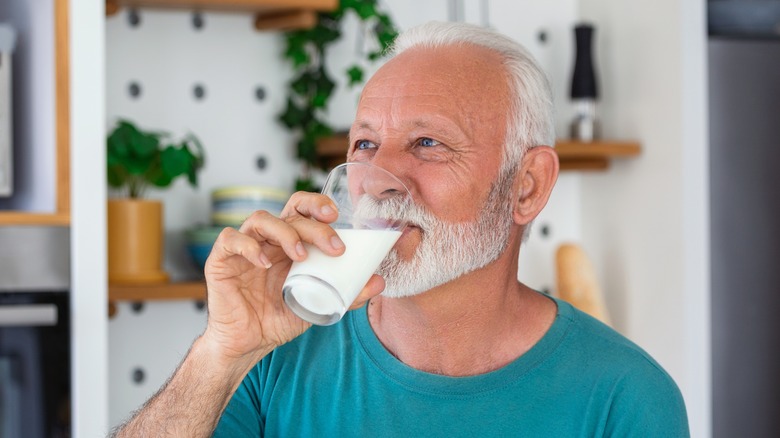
[(645, 221)]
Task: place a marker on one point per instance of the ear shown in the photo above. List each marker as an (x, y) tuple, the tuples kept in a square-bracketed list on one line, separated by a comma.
[(537, 176)]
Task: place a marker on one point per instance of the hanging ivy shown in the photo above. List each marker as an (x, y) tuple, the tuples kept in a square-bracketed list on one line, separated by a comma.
[(312, 86)]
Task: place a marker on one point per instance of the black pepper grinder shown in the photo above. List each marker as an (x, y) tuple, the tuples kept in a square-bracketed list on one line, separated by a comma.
[(584, 91)]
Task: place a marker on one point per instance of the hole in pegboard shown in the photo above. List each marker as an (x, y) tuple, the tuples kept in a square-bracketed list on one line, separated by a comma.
[(197, 20), (200, 305), (261, 162), (138, 376), (137, 306), (260, 93), (541, 36), (133, 18), (545, 230), (134, 90), (199, 91)]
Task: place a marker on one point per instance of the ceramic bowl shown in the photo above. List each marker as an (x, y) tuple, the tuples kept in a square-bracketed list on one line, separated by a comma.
[(200, 240), (230, 206)]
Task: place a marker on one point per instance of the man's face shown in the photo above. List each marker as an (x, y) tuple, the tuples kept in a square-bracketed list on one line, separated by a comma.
[(437, 120)]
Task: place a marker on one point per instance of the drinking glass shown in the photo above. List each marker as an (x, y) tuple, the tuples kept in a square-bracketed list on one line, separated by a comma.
[(321, 288)]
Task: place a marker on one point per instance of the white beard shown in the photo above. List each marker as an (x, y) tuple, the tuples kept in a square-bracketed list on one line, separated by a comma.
[(449, 250)]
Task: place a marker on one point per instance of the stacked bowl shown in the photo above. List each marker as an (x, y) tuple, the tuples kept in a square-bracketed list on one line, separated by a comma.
[(230, 206)]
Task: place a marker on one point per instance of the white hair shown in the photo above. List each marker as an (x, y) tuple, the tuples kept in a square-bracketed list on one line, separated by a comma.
[(532, 121)]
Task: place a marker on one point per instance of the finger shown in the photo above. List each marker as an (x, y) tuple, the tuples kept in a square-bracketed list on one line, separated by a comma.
[(374, 287), (323, 236), (262, 226), (315, 205), (233, 243)]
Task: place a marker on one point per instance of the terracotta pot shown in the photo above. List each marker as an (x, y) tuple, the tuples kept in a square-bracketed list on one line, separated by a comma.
[(135, 242)]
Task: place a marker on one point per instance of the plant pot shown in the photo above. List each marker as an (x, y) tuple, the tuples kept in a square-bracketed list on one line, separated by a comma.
[(135, 242)]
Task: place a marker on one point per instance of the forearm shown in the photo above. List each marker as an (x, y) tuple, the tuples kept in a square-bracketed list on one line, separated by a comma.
[(192, 401)]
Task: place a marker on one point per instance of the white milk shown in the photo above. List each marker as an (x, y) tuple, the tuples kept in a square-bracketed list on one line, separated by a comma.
[(347, 273)]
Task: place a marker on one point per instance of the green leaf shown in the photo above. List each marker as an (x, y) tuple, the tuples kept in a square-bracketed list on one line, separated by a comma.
[(116, 176), (296, 48), (175, 161), (324, 87), (199, 154), (293, 116), (138, 165), (322, 35), (307, 150), (355, 75), (305, 185), (320, 99), (366, 10), (303, 83), (136, 158)]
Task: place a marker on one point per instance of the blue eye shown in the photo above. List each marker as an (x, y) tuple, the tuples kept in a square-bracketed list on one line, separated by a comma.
[(428, 142), (364, 144)]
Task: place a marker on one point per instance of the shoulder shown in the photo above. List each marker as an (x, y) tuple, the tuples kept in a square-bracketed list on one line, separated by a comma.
[(602, 345), (640, 394)]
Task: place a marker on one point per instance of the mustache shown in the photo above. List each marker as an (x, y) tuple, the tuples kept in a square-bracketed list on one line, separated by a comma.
[(394, 209)]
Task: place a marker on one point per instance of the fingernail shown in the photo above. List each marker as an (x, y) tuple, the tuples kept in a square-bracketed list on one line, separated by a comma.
[(300, 249), (327, 210), (336, 243), (264, 260)]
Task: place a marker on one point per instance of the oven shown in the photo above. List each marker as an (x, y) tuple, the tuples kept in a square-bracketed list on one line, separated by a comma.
[(35, 341), (34, 365)]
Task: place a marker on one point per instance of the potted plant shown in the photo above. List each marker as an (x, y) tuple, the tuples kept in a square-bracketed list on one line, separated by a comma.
[(137, 160), (312, 86)]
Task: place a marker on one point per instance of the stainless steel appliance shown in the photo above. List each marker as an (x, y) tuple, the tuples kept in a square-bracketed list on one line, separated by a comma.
[(34, 365), (35, 360), (744, 114), (7, 42)]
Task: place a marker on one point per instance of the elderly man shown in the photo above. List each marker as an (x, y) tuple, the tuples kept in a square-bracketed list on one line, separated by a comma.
[(454, 345)]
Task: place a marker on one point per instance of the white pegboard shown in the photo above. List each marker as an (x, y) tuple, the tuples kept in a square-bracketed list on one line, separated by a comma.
[(557, 223), (146, 343), (166, 57)]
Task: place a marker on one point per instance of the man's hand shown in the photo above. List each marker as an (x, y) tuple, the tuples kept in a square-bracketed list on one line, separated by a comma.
[(247, 315), (246, 270)]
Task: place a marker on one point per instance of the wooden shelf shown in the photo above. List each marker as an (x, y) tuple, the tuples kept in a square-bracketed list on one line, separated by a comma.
[(24, 218), (573, 155), (270, 14), (191, 290)]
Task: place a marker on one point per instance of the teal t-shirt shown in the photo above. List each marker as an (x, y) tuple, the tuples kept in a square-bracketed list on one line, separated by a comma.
[(582, 379)]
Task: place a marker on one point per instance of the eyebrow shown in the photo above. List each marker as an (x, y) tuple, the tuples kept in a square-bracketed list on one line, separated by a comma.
[(450, 127), (363, 125)]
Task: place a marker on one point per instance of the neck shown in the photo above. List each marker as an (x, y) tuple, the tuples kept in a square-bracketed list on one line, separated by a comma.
[(473, 325)]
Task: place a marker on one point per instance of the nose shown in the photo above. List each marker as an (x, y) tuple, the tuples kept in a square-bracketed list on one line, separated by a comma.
[(392, 179), (381, 184)]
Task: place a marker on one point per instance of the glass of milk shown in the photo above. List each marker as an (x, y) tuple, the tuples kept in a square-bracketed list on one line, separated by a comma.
[(321, 288)]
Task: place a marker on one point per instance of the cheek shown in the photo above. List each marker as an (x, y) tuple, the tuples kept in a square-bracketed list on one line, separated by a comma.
[(451, 201)]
